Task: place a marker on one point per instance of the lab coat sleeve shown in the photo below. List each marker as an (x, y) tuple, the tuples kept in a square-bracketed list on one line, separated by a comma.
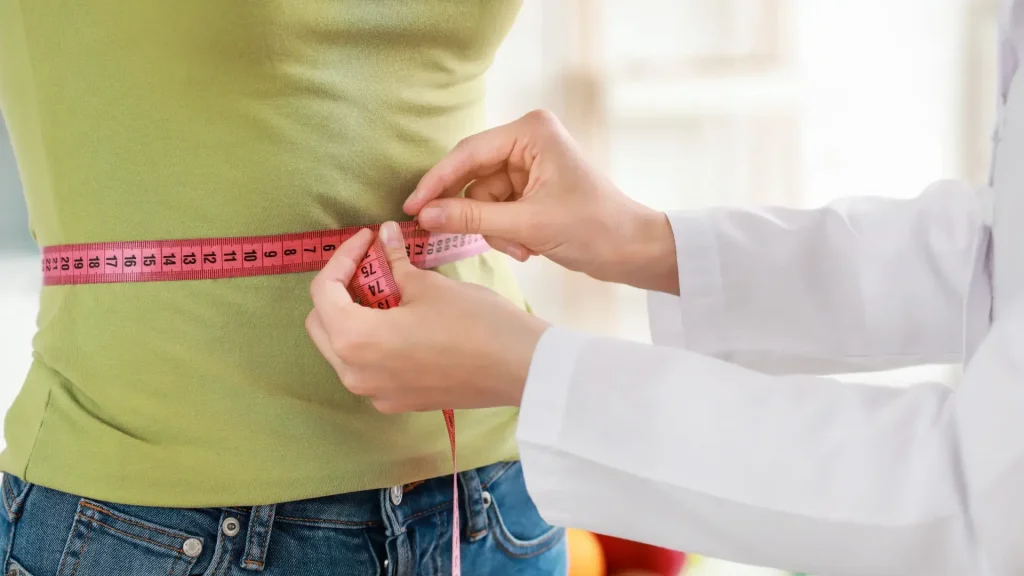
[(801, 473), (860, 284)]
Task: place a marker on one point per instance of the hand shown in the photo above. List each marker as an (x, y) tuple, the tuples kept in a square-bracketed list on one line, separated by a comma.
[(448, 345), (530, 192)]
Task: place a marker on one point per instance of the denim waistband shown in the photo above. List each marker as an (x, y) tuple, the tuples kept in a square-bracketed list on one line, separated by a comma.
[(366, 508), (392, 509)]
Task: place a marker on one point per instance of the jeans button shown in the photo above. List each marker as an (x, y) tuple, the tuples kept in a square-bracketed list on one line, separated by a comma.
[(396, 495), (230, 527), (192, 547), (486, 498)]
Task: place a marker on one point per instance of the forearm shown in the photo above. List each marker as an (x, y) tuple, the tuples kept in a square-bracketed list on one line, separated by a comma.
[(798, 473), (859, 284)]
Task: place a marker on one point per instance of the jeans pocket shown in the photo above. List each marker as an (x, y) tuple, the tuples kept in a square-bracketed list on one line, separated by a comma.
[(104, 542), (513, 519)]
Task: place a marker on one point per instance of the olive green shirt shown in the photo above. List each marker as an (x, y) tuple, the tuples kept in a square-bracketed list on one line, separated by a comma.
[(160, 119)]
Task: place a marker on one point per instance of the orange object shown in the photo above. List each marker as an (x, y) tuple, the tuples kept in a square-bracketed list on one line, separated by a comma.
[(586, 556)]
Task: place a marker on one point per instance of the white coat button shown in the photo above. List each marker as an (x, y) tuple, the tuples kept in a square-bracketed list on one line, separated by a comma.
[(396, 495), (192, 547), (230, 527)]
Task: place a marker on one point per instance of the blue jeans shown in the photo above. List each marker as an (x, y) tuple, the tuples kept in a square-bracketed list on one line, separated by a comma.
[(397, 532)]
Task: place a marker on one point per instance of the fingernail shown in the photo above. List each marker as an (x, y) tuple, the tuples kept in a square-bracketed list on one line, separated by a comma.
[(432, 217), (412, 197), (391, 235)]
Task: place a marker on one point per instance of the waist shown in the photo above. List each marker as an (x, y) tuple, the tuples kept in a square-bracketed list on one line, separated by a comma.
[(352, 510), (364, 507), (244, 333)]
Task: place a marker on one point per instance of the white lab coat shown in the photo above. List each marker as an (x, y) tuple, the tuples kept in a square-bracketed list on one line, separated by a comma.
[(721, 440)]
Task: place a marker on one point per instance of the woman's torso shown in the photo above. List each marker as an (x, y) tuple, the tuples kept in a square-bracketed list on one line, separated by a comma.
[(157, 119)]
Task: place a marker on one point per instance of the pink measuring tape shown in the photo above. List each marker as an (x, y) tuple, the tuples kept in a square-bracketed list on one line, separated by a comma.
[(214, 258)]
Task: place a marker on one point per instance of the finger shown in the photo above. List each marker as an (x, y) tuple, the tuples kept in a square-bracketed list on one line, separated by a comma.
[(474, 157), (329, 288), (496, 187), (318, 334), (505, 220), (513, 249), (394, 249), (457, 189)]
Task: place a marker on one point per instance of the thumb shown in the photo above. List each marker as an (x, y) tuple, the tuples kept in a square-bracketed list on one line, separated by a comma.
[(505, 220), (329, 287), (394, 249)]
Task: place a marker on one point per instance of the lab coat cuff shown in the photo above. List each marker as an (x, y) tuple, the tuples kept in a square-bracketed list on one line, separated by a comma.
[(550, 379), (700, 305)]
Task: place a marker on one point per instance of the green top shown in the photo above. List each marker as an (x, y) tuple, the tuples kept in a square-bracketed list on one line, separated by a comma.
[(157, 119)]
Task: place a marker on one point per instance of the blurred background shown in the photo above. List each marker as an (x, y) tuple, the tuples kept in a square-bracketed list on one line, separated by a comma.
[(691, 103)]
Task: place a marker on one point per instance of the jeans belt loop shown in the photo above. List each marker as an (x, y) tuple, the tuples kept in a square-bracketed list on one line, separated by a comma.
[(15, 492), (475, 522), (257, 539)]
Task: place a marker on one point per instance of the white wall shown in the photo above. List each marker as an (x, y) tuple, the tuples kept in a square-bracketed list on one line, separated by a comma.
[(19, 286), (13, 228), (19, 280)]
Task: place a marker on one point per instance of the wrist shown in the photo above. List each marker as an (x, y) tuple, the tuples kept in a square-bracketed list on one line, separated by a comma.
[(662, 260), (648, 260), (519, 358)]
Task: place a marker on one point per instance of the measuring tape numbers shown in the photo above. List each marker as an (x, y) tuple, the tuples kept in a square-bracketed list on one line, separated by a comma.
[(217, 258)]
